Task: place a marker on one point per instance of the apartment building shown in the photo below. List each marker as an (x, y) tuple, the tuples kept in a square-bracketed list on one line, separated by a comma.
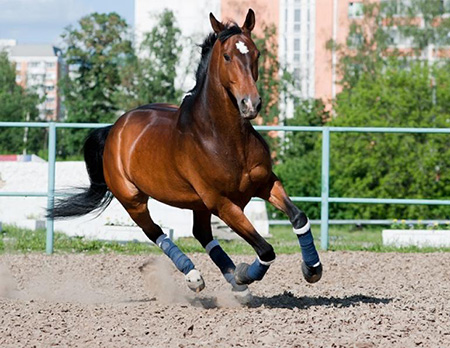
[(39, 67)]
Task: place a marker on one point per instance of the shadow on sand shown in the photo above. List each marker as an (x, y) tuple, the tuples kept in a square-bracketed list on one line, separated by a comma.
[(290, 301)]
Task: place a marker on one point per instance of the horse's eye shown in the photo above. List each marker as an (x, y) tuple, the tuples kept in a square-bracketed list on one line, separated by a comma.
[(258, 55), (227, 57)]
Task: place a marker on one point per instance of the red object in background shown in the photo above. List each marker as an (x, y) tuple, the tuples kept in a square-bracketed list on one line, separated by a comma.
[(9, 158)]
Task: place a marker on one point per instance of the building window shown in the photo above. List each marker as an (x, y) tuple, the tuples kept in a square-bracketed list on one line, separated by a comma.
[(444, 40), (34, 64), (395, 7), (49, 64), (396, 38), (50, 76), (355, 40), (18, 78), (297, 15), (296, 57), (445, 6), (296, 74), (296, 28), (355, 9), (296, 44)]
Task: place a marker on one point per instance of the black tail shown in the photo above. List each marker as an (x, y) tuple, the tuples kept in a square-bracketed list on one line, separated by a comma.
[(96, 197)]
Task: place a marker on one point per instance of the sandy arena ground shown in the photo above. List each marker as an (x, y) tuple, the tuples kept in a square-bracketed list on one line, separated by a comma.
[(363, 300)]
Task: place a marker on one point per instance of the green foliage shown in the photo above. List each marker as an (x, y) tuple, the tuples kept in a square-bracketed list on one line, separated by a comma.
[(390, 165), (18, 105), (373, 39), (95, 51), (299, 162), (150, 77), (434, 27), (383, 86), (271, 86), (367, 45)]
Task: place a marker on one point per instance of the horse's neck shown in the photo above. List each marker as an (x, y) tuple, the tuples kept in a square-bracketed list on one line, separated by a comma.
[(219, 114)]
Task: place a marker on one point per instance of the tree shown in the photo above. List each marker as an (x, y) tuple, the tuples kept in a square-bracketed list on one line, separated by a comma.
[(389, 165), (423, 22), (269, 84), (150, 76), (383, 86), (94, 52), (384, 27), (366, 47), (274, 83), (299, 161), (18, 105)]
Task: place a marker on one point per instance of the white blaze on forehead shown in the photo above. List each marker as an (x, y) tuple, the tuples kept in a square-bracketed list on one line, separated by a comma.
[(242, 47)]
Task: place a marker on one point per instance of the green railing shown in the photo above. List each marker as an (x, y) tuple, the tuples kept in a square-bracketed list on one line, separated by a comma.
[(324, 199)]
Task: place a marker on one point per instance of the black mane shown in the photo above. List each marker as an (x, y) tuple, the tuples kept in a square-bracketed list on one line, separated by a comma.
[(230, 30)]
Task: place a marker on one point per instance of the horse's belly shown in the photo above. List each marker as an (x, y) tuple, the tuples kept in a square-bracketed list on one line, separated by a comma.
[(175, 194)]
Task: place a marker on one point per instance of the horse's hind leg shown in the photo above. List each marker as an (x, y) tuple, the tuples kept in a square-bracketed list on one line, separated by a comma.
[(203, 233), (137, 207), (276, 195)]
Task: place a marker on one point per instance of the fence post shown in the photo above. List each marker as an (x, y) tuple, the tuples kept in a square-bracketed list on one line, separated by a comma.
[(325, 187), (51, 184)]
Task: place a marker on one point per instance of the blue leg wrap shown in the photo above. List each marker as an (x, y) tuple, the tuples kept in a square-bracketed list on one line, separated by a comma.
[(180, 260), (257, 270), (309, 252)]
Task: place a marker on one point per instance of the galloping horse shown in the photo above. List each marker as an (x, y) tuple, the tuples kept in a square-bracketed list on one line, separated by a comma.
[(204, 155)]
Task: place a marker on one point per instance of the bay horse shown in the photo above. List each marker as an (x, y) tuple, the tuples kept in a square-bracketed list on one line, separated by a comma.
[(204, 155)]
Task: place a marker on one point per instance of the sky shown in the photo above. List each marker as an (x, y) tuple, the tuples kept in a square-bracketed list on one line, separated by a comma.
[(43, 21)]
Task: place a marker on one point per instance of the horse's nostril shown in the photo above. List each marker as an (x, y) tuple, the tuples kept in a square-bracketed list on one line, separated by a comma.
[(259, 105)]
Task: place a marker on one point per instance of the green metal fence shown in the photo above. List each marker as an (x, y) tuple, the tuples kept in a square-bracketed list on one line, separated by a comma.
[(324, 199)]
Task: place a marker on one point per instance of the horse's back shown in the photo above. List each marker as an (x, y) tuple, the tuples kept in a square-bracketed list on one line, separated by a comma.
[(171, 108), (143, 129)]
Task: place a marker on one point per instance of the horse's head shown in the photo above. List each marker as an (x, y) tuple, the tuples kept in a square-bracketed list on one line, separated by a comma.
[(236, 58)]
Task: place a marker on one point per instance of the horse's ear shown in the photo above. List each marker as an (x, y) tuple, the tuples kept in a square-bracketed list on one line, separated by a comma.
[(249, 23), (216, 25)]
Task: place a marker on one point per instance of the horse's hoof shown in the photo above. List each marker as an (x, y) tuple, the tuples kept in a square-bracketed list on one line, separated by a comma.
[(312, 274), (194, 280), (241, 274), (243, 295)]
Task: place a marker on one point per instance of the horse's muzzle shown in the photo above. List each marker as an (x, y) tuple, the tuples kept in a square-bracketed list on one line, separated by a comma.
[(250, 107)]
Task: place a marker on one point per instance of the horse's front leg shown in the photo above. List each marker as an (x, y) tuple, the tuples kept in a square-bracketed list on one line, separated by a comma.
[(274, 193), (234, 217), (203, 233)]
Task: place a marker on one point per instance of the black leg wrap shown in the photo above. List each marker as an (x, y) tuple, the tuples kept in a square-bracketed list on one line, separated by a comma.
[(222, 260), (225, 264), (312, 274), (299, 220)]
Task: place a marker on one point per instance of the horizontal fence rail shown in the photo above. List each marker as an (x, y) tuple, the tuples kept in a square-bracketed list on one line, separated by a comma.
[(324, 199)]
